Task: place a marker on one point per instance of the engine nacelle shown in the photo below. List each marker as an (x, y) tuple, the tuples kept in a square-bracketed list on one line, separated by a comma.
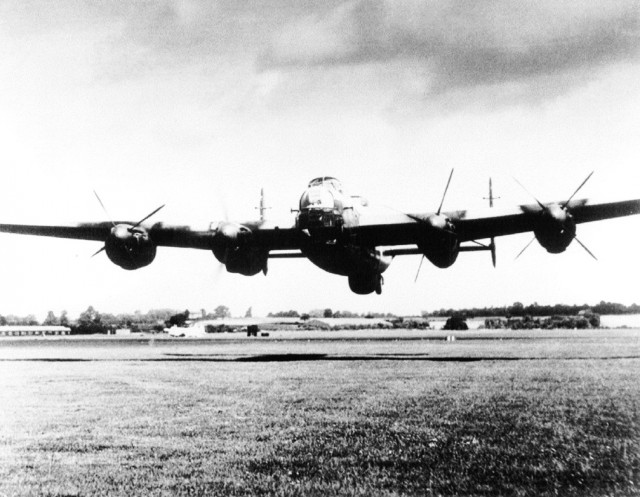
[(130, 247), (439, 242), (231, 245), (366, 283), (555, 229)]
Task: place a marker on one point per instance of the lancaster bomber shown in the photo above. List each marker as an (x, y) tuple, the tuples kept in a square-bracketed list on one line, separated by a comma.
[(344, 234)]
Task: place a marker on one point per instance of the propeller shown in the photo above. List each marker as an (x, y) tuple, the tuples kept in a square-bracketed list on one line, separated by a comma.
[(419, 267), (104, 209), (144, 219), (564, 207), (577, 190), (525, 247), (446, 188), (130, 229), (101, 249), (585, 247), (444, 194), (220, 266), (542, 206)]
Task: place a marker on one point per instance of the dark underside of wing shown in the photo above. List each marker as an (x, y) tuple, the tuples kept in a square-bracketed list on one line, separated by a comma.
[(162, 235), (97, 232), (170, 236), (476, 228), (490, 223)]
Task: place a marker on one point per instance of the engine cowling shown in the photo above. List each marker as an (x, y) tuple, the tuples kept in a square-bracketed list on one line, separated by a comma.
[(555, 229), (366, 283), (130, 247), (232, 246), (439, 242)]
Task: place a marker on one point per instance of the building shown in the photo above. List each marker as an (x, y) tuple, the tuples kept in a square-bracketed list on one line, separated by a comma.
[(30, 331)]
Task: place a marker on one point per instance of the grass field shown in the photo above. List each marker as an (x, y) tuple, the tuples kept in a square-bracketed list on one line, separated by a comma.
[(535, 416)]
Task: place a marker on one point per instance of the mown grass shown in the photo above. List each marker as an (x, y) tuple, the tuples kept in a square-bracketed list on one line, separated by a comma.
[(551, 426)]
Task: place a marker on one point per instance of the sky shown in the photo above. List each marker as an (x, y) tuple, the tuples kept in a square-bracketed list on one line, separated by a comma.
[(199, 104)]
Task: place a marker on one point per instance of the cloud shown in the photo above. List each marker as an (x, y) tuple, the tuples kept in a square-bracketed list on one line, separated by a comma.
[(398, 53), (464, 44)]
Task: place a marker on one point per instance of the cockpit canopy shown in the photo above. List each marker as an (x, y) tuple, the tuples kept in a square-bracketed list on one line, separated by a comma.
[(326, 181)]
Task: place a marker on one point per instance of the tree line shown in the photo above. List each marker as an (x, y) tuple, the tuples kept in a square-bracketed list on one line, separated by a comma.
[(93, 321), (330, 313), (518, 309)]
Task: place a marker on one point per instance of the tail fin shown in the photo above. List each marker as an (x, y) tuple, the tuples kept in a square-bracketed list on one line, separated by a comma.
[(492, 245)]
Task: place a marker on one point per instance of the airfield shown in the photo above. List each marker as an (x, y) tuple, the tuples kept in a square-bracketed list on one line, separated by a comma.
[(372, 412)]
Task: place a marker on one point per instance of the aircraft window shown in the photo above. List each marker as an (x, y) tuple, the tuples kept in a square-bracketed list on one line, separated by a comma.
[(327, 181)]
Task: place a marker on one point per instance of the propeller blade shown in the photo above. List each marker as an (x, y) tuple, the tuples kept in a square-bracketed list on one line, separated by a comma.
[(445, 192), (218, 272), (419, 267), (577, 190), (525, 247), (101, 250), (585, 247), (223, 207), (542, 206), (145, 218), (104, 209)]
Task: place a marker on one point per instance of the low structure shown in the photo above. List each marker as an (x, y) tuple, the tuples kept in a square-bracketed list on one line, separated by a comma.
[(347, 323), (20, 331)]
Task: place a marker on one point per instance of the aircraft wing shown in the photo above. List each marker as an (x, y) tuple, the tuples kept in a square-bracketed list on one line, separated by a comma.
[(88, 231), (492, 223), (485, 223), (391, 230), (171, 236), (163, 235)]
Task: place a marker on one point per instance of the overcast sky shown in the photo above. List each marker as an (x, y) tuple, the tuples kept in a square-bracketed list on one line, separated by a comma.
[(198, 104)]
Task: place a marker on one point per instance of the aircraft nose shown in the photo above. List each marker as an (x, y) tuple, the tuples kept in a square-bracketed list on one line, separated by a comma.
[(317, 198)]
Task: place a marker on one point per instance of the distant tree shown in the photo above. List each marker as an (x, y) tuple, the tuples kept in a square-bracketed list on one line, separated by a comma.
[(305, 317), (51, 319), (89, 316), (64, 319), (381, 315), (29, 320), (249, 313), (160, 315), (221, 312), (90, 321), (344, 314), (284, 314), (178, 319), (328, 313), (517, 309), (3, 321), (455, 322), (113, 321)]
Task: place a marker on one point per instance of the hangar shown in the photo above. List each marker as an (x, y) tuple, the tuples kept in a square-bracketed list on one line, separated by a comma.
[(21, 331)]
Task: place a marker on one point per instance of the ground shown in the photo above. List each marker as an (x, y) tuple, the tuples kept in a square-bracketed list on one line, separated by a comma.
[(491, 413)]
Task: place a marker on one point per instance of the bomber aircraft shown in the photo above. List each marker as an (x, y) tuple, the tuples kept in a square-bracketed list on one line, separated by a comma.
[(343, 234)]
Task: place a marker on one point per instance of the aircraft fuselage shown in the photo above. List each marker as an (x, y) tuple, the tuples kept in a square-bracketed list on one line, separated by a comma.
[(324, 205)]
